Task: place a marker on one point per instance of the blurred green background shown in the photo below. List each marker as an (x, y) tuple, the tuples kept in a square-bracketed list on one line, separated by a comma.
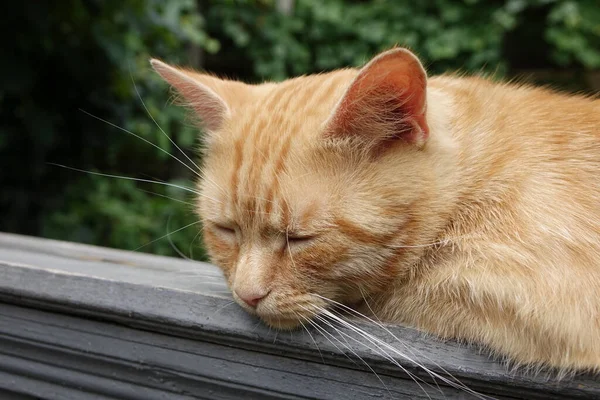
[(63, 56)]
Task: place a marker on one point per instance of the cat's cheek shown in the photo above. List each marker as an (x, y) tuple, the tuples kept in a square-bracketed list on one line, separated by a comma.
[(317, 267), (221, 252), (317, 259)]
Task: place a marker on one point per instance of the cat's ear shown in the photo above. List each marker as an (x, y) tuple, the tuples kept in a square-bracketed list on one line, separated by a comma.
[(202, 92), (385, 102)]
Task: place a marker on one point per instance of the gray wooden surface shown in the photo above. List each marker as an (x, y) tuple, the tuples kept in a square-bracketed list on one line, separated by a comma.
[(86, 322)]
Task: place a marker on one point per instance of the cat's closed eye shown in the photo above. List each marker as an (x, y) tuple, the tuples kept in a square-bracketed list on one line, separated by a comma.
[(299, 239), (226, 229)]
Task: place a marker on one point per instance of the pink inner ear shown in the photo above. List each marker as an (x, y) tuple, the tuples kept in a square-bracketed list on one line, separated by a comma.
[(388, 97), (207, 104), (209, 107)]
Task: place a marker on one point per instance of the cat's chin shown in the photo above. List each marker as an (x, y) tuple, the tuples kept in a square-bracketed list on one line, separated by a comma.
[(283, 324)]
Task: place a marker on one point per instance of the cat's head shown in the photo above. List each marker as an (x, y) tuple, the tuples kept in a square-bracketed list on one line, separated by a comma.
[(319, 187)]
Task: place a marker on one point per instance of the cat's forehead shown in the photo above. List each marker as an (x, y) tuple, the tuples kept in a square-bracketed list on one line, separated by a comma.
[(264, 191), (260, 170), (296, 106)]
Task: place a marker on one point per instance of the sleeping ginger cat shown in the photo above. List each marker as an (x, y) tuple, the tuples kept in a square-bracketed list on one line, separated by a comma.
[(462, 207)]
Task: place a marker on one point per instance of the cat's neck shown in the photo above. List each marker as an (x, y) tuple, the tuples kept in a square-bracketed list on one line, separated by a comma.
[(468, 175), (478, 165)]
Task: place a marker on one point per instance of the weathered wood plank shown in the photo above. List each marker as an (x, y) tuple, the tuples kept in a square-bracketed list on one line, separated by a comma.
[(190, 329), (122, 359), (111, 264)]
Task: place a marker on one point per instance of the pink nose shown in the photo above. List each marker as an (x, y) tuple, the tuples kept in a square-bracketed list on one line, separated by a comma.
[(251, 298)]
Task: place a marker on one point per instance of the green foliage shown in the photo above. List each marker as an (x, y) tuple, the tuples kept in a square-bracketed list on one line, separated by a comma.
[(327, 35), (574, 32), (447, 34), (93, 55), (122, 214)]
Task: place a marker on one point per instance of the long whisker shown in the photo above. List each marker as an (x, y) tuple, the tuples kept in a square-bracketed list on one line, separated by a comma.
[(158, 147), (327, 335), (190, 250), (220, 292), (136, 180), (167, 235), (223, 307), (378, 349), (217, 281), (310, 335), (145, 140), (156, 123), (168, 137), (352, 351), (168, 197), (380, 325), (372, 338), (395, 337), (173, 244)]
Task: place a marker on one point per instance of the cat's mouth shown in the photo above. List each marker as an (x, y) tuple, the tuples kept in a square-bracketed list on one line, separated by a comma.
[(289, 312), (310, 315)]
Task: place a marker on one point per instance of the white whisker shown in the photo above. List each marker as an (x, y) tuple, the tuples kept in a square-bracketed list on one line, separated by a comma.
[(190, 250), (380, 342), (214, 280), (204, 177), (167, 197), (227, 292), (167, 235), (326, 335), (380, 325), (135, 179), (361, 315), (223, 307), (347, 345), (157, 125), (173, 244), (384, 354), (310, 335), (145, 140), (411, 359)]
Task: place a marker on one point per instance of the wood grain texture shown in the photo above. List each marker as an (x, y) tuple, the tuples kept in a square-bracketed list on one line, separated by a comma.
[(85, 322)]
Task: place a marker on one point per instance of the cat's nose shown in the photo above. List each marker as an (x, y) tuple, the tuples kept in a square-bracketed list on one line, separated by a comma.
[(251, 297)]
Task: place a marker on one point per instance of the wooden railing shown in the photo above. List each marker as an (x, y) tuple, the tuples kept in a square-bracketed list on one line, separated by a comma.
[(82, 322)]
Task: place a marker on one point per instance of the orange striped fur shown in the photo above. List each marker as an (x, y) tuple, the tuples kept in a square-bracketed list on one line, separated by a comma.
[(462, 207)]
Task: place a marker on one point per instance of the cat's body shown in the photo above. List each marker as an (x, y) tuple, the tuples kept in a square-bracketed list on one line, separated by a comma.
[(467, 209), (519, 269)]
